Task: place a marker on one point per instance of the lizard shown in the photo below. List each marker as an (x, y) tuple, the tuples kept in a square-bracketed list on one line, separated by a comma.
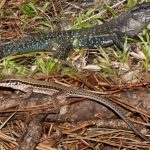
[(55, 90), (107, 34)]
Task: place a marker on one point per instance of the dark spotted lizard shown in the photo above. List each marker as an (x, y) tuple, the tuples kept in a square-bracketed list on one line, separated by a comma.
[(109, 33)]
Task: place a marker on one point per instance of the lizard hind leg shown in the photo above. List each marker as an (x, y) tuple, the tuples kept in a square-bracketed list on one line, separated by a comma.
[(63, 50)]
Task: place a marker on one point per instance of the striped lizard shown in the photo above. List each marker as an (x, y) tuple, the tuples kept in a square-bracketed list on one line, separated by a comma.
[(51, 88)]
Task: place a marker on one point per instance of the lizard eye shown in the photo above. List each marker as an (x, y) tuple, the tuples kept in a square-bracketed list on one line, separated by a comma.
[(8, 83)]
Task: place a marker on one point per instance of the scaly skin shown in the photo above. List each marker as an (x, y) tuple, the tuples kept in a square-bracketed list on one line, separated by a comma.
[(53, 89), (129, 23)]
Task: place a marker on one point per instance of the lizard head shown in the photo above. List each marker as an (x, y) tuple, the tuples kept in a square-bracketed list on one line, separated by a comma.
[(135, 20), (141, 13), (12, 83), (139, 18)]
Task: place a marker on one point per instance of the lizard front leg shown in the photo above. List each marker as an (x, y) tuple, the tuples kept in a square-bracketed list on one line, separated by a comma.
[(58, 99), (118, 38), (27, 93)]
